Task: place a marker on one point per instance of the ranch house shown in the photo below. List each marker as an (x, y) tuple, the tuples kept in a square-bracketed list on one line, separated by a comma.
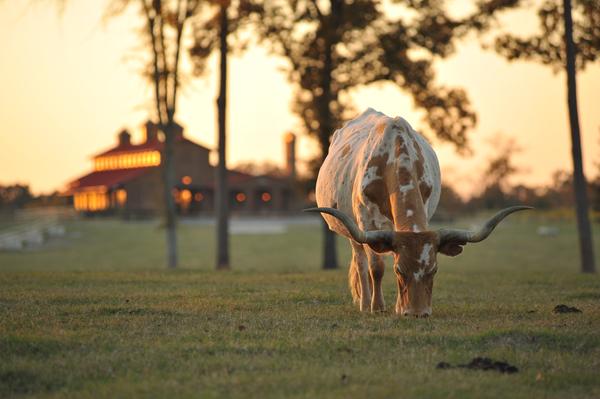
[(126, 180)]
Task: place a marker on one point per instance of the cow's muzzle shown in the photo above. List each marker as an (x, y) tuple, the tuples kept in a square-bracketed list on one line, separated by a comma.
[(423, 314)]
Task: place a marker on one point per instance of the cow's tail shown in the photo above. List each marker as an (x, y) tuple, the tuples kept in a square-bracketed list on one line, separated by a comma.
[(354, 283)]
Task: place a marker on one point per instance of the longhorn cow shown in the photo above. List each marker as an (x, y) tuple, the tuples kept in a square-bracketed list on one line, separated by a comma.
[(379, 186)]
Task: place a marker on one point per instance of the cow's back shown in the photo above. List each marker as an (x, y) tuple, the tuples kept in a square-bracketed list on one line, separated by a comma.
[(349, 168)]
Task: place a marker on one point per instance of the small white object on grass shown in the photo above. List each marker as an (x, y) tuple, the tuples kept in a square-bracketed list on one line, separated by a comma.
[(548, 231)]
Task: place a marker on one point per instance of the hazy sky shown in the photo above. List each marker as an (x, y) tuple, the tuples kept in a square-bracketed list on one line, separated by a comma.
[(69, 83)]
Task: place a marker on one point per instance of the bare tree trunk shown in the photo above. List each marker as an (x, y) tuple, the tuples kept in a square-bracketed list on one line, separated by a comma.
[(222, 199), (330, 260), (329, 248), (580, 186), (326, 127), (168, 169)]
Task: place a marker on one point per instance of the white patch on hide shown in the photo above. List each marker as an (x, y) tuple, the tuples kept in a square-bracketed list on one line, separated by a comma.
[(406, 188), (424, 258), (418, 275), (405, 161)]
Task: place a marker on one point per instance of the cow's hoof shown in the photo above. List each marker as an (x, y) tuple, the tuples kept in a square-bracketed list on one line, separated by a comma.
[(377, 308)]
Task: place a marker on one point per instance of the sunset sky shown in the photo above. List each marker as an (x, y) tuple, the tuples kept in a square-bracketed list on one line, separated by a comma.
[(70, 82)]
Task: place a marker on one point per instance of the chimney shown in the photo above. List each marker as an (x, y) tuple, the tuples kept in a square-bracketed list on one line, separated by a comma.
[(124, 138), (290, 155), (151, 131)]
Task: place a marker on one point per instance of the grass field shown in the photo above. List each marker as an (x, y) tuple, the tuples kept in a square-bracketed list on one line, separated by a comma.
[(97, 316)]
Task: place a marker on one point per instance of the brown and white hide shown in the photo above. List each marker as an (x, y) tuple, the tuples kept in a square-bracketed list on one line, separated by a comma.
[(386, 176)]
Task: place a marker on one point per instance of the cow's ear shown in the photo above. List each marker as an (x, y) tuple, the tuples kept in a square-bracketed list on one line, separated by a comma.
[(451, 248)]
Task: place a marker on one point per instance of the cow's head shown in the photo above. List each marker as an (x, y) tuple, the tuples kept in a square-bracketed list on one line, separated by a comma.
[(415, 254)]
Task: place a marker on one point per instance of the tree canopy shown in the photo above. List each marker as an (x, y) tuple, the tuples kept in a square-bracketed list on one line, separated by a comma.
[(336, 45), (547, 45)]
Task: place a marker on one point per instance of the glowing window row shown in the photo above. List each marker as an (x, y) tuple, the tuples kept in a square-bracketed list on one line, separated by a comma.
[(127, 161), (90, 201)]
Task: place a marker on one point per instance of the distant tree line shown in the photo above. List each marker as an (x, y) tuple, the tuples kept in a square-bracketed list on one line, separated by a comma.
[(18, 196), (498, 192), (557, 194)]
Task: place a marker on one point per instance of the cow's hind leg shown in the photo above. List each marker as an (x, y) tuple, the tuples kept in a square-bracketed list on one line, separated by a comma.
[(354, 282), (376, 270), (361, 273)]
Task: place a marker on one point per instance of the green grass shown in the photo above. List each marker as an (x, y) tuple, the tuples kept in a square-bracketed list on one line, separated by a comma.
[(97, 316)]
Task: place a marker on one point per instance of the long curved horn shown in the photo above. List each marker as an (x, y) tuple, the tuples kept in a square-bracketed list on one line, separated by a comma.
[(464, 236), (362, 237)]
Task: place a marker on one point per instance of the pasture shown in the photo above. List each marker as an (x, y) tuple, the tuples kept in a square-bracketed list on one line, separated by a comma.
[(97, 315)]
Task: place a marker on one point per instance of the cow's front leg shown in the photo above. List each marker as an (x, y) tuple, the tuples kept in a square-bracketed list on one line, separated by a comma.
[(359, 258), (376, 269)]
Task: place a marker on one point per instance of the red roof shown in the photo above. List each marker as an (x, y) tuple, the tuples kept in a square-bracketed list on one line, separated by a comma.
[(123, 148), (153, 145), (107, 178), (235, 177)]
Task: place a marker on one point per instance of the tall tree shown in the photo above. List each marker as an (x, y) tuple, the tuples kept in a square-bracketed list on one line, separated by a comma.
[(211, 34), (334, 46), (563, 44), (164, 25), (222, 189)]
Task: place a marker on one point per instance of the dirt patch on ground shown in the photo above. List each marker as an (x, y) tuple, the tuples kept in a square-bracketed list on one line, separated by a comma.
[(482, 363), (565, 309)]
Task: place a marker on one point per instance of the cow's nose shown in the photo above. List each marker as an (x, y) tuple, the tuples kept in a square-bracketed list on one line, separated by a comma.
[(416, 314)]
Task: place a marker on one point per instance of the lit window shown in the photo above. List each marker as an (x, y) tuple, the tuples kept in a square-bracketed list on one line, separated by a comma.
[(121, 196), (129, 160), (240, 197), (91, 201), (266, 197), (186, 196), (186, 180)]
